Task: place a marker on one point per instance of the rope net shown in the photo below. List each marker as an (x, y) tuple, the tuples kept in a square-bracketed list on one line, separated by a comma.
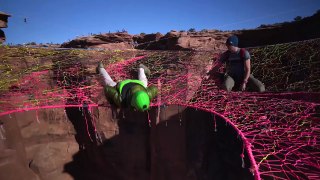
[(280, 127)]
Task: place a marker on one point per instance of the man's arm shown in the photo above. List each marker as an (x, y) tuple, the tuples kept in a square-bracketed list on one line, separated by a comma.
[(215, 67), (113, 95), (218, 63), (152, 91), (247, 70)]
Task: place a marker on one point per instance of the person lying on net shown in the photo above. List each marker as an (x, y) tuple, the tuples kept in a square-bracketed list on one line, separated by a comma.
[(129, 93), (238, 68)]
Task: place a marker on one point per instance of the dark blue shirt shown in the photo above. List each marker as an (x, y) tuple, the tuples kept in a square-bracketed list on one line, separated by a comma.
[(235, 63)]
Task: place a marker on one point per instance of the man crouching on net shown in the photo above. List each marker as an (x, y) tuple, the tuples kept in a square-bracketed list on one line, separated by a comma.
[(129, 93), (238, 68)]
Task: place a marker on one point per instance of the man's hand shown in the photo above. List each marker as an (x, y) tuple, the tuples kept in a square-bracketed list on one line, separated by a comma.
[(243, 86)]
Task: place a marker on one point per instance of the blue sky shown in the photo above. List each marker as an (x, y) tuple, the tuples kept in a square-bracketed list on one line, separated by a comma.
[(58, 21)]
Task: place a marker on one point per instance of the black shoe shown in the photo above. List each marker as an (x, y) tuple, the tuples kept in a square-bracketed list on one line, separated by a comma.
[(100, 65)]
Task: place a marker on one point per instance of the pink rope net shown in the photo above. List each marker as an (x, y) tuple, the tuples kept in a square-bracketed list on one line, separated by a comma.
[(280, 128)]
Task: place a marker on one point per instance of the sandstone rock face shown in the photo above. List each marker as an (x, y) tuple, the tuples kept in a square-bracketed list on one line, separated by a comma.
[(208, 40), (49, 159), (140, 39), (3, 24), (37, 145), (108, 41), (13, 162), (2, 36), (307, 28), (174, 40), (42, 123), (199, 41), (113, 46), (4, 20), (129, 148)]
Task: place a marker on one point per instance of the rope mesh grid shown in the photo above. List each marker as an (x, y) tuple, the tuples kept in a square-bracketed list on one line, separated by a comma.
[(280, 126)]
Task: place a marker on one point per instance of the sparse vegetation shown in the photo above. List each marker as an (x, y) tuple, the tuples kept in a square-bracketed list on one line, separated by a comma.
[(204, 30), (298, 18), (263, 26), (31, 43), (192, 30)]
